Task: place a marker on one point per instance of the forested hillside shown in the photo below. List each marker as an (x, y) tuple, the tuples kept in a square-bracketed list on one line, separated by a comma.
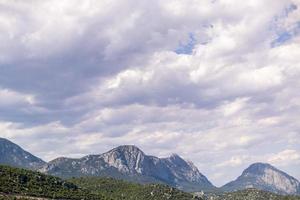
[(119, 189), (23, 182)]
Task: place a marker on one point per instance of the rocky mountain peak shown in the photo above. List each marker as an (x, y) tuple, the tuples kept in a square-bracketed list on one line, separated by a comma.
[(265, 177), (175, 156), (257, 168), (126, 158), (129, 149)]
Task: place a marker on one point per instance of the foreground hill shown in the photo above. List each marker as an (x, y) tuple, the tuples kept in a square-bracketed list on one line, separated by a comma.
[(24, 182), (265, 177), (130, 163), (250, 194), (13, 155)]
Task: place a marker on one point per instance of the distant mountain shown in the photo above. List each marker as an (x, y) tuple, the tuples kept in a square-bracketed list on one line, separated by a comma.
[(265, 177), (13, 155), (130, 163)]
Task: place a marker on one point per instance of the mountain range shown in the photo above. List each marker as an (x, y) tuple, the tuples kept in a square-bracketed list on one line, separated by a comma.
[(130, 163)]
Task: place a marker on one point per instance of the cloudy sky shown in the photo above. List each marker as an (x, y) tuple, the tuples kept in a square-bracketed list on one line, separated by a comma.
[(216, 81)]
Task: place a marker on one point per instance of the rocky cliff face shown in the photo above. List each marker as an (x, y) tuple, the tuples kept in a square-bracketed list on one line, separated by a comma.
[(129, 162), (265, 177), (13, 155), (127, 159)]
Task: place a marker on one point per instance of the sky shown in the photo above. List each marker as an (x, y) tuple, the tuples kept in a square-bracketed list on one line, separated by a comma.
[(215, 81)]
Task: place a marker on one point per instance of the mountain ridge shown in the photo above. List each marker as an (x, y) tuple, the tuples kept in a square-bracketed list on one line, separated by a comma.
[(265, 177), (131, 163)]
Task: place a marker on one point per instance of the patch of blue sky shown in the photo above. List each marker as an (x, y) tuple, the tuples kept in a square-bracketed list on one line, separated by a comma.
[(283, 34), (282, 38), (286, 35), (187, 48)]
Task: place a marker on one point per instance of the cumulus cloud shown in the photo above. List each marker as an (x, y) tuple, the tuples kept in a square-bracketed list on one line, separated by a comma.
[(214, 81), (285, 157)]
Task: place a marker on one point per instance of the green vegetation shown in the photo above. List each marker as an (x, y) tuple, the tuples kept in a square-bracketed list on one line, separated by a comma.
[(118, 189), (5, 197), (251, 194), (28, 183)]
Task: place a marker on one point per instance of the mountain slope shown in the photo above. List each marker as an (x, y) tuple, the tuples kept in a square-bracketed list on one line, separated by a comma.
[(13, 155), (265, 177), (130, 163)]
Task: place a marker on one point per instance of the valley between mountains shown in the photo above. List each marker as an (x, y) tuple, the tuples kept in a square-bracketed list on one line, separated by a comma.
[(128, 163)]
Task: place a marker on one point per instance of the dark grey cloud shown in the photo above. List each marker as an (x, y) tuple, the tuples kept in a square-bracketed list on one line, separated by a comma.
[(58, 50)]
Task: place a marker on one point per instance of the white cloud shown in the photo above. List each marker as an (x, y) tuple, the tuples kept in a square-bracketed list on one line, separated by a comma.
[(234, 161), (98, 74), (13, 98), (231, 108), (285, 157)]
